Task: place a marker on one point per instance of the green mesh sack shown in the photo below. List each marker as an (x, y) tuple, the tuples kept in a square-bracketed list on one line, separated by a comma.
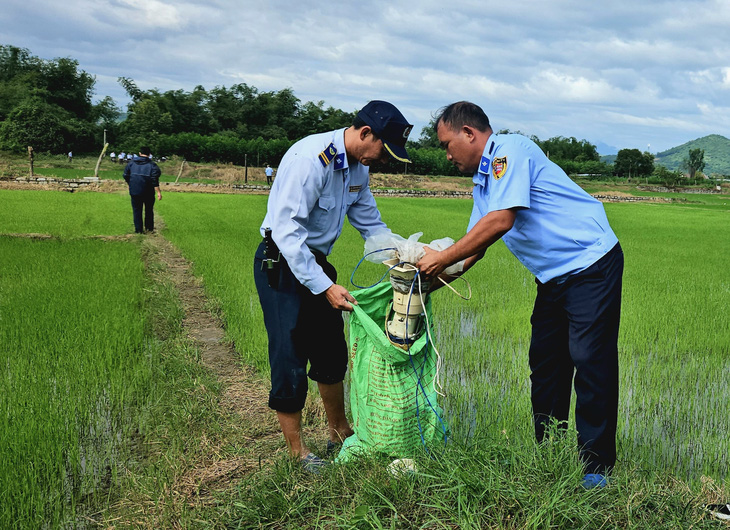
[(392, 396)]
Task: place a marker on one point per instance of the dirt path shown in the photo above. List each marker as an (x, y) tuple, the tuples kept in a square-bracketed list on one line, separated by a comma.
[(256, 438)]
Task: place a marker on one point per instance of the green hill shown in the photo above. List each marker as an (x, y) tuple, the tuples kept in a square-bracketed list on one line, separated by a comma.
[(717, 154)]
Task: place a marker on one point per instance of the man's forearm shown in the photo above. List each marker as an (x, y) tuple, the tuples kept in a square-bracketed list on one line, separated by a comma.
[(485, 233)]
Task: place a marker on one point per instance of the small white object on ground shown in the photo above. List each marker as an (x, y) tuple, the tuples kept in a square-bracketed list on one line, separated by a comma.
[(402, 466), (721, 511)]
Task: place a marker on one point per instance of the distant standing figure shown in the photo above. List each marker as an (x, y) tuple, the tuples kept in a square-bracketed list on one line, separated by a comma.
[(113, 157), (130, 157), (122, 157), (269, 174), (70, 156), (143, 177)]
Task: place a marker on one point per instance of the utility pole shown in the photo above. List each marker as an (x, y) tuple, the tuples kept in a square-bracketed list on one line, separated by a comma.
[(104, 136)]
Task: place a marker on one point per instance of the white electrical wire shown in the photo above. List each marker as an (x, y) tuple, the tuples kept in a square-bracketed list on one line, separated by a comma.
[(447, 284), (437, 379)]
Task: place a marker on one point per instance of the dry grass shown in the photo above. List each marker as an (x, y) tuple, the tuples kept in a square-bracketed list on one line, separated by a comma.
[(418, 182), (223, 173)]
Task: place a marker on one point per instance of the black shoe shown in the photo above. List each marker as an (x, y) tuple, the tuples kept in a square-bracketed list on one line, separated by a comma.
[(332, 448)]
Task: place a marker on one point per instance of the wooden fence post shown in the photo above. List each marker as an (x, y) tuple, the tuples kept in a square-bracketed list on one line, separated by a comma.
[(30, 160), (98, 162), (182, 165)]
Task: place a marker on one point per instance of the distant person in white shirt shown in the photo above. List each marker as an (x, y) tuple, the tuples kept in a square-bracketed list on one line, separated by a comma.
[(269, 174)]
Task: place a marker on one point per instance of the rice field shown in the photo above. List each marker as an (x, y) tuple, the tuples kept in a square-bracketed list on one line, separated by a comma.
[(74, 349), (77, 353), (675, 334)]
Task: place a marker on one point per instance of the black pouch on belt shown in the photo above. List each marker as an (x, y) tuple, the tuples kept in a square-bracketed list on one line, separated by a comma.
[(271, 259)]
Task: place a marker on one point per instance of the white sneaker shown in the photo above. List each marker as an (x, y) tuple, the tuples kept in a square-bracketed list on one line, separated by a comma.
[(721, 511)]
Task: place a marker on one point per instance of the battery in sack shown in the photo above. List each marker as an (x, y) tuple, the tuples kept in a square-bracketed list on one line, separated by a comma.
[(404, 321)]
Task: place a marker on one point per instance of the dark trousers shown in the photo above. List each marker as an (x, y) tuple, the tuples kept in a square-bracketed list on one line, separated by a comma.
[(148, 202), (574, 341)]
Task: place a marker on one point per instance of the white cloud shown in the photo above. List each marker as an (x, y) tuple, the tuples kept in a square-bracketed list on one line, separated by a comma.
[(552, 85), (153, 13), (627, 74)]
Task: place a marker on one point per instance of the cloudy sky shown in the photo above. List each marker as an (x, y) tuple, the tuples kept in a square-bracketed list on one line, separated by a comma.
[(629, 74)]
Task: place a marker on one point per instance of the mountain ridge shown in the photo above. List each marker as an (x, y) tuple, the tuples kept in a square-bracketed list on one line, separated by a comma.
[(717, 154)]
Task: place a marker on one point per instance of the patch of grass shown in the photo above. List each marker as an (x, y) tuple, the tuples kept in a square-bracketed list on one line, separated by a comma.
[(487, 483), (673, 346), (179, 425)]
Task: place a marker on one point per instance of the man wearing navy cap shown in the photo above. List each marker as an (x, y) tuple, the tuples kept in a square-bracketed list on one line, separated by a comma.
[(321, 179), (561, 234), (143, 177)]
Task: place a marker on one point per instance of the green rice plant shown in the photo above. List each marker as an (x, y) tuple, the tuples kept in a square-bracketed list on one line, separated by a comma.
[(63, 214), (675, 338), (75, 360)]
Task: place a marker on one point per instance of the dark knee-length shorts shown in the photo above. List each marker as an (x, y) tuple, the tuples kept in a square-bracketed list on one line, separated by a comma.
[(303, 329)]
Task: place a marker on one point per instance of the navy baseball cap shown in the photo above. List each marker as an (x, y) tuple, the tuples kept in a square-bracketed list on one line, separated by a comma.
[(389, 125)]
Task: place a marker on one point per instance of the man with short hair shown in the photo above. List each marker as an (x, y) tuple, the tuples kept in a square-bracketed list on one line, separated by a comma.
[(562, 235), (143, 177), (321, 179)]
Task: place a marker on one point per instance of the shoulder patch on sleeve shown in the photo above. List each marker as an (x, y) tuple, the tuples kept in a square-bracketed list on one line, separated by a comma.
[(499, 167), (326, 156)]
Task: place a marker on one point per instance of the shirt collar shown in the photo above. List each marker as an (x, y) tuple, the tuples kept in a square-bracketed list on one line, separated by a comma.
[(481, 174)]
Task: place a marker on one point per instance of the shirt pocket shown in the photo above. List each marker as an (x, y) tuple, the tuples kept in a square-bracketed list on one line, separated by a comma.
[(323, 211), (351, 197)]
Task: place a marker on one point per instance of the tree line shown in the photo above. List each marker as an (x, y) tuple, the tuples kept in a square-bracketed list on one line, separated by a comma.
[(47, 104)]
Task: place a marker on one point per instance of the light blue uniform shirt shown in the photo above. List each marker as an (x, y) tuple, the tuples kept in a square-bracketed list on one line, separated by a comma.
[(309, 200), (559, 229)]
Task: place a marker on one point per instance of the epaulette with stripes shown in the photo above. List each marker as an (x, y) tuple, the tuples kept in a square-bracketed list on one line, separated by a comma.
[(326, 156)]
